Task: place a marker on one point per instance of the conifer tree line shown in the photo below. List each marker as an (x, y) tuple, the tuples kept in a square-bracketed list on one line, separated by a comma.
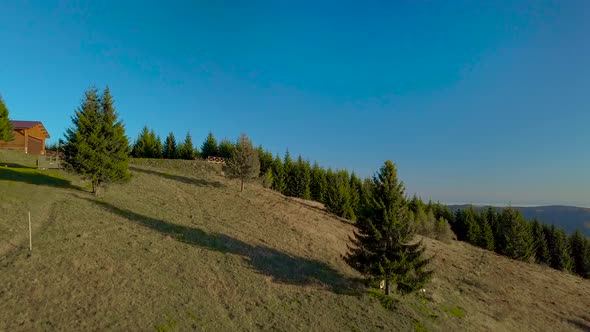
[(149, 145), (96, 147), (506, 232)]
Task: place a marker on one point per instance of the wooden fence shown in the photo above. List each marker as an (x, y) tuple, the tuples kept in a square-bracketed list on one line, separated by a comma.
[(50, 161)]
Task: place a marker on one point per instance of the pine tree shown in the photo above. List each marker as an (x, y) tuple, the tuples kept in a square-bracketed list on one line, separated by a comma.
[(96, 146), (491, 217), (415, 204), (418, 219), (267, 180), (338, 194), (170, 149), (209, 147), (147, 145), (381, 248), (459, 225), (318, 183), (355, 193), (187, 150), (290, 175), (278, 172), (486, 236), (226, 149), (266, 160), (540, 244), (244, 163), (5, 125), (517, 235), (158, 147), (472, 223), (559, 250), (443, 230), (305, 178), (579, 253), (116, 153)]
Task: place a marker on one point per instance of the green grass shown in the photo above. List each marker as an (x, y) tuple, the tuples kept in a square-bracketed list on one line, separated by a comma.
[(16, 158), (177, 238), (455, 311), (180, 248)]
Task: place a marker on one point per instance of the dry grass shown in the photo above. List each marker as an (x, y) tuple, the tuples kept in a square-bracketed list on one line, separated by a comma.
[(179, 247)]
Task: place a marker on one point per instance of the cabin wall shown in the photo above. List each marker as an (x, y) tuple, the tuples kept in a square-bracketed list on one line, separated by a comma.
[(18, 143), (26, 140)]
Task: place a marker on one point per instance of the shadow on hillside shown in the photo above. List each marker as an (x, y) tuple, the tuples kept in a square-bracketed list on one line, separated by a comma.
[(581, 324), (280, 266), (13, 165), (193, 181), (33, 177)]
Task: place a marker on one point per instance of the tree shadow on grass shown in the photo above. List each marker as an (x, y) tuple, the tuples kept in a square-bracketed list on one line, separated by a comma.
[(280, 266), (32, 176), (579, 323), (13, 165), (193, 181)]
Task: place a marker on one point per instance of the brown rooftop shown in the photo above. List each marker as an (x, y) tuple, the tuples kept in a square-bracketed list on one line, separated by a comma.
[(16, 124)]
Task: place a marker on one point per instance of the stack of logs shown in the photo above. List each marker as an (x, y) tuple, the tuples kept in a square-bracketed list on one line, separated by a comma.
[(216, 160)]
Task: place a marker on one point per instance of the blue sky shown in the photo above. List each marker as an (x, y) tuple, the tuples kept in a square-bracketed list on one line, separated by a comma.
[(476, 102)]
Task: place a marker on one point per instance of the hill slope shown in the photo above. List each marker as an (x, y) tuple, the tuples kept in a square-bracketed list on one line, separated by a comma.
[(568, 218), (180, 247)]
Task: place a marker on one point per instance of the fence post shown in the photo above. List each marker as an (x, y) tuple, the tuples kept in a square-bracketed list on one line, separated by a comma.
[(30, 236)]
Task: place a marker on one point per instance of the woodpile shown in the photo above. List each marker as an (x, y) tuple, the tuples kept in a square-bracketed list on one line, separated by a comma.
[(216, 160)]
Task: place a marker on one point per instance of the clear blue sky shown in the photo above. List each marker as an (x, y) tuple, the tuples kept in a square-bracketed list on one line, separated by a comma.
[(476, 102)]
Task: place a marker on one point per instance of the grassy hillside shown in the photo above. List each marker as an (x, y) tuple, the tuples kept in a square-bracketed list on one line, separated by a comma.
[(568, 218), (179, 247)]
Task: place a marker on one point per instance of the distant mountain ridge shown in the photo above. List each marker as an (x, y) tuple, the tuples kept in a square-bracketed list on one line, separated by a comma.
[(568, 218)]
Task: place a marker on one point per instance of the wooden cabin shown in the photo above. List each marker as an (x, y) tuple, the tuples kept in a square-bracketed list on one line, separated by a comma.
[(29, 137)]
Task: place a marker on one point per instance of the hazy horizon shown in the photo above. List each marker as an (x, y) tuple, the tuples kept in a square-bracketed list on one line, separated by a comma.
[(474, 102)]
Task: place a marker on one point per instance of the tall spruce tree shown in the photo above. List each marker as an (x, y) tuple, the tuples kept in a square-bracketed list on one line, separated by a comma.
[(116, 165), (355, 193), (541, 248), (559, 250), (186, 150), (472, 224), (268, 178), (338, 194), (318, 183), (278, 172), (381, 247), (304, 179), (266, 160), (487, 236), (209, 147), (518, 241), (147, 145), (244, 163), (579, 253), (158, 148), (96, 146), (226, 148), (5, 125), (290, 175), (170, 150)]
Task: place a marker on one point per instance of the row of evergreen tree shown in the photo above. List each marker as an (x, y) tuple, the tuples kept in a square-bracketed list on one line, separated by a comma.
[(339, 190), (97, 148), (505, 232), (508, 233), (149, 145)]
